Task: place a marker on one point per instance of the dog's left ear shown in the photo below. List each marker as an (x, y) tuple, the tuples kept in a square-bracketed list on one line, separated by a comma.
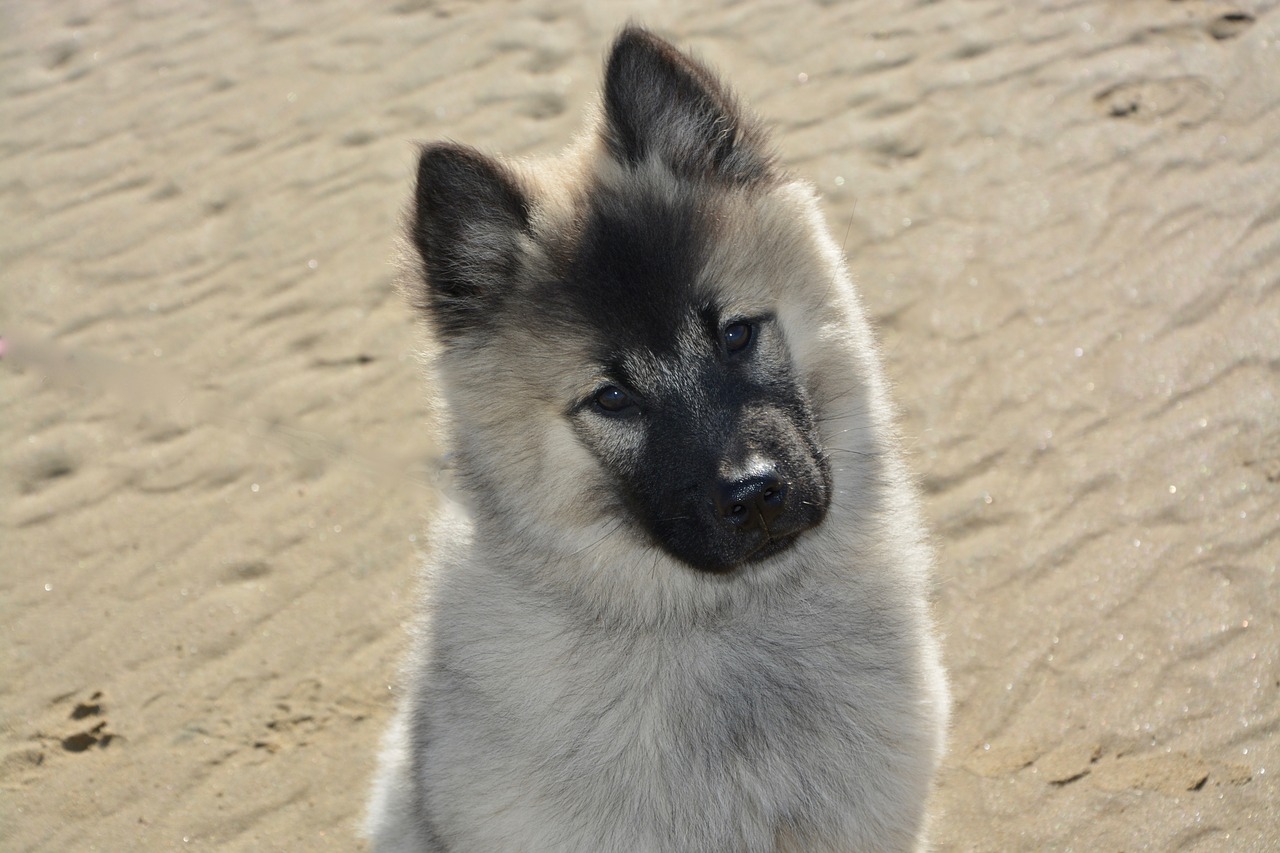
[(661, 104)]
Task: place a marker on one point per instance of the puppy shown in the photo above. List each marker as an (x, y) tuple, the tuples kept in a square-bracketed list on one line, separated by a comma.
[(677, 593)]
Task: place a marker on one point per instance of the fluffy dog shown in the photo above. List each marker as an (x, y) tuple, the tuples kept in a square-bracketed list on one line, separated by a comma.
[(677, 593)]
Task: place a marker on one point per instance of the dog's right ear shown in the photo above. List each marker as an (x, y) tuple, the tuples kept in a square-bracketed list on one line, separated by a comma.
[(469, 213)]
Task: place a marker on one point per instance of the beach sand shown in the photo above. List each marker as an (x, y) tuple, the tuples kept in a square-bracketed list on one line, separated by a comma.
[(1065, 219)]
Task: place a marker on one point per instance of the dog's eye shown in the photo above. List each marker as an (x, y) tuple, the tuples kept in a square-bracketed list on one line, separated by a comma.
[(612, 400), (737, 336)]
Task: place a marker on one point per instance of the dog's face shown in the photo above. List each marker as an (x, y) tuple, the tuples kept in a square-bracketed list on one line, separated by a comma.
[(697, 412), (620, 336)]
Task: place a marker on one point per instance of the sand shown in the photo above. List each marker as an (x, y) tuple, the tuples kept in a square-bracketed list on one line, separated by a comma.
[(1065, 217)]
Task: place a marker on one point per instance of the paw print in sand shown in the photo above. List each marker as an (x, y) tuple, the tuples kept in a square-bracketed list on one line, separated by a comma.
[(95, 732)]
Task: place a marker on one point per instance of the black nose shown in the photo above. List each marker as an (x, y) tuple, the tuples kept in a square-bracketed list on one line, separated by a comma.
[(751, 502)]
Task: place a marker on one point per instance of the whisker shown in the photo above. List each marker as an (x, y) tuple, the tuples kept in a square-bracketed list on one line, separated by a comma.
[(612, 530)]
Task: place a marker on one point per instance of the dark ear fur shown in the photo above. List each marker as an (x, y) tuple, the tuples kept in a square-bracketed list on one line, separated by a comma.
[(661, 103), (468, 215)]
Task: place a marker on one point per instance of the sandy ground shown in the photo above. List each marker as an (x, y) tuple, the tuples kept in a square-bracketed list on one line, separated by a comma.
[(1066, 220)]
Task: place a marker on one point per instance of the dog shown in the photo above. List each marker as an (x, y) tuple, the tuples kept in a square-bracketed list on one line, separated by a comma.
[(677, 595)]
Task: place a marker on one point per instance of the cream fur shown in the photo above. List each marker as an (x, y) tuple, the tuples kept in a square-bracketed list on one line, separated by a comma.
[(575, 688)]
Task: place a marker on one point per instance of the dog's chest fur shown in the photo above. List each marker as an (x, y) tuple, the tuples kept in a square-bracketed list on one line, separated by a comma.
[(732, 733)]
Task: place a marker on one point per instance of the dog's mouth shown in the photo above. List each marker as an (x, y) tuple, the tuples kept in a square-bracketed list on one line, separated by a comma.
[(769, 545), (773, 545)]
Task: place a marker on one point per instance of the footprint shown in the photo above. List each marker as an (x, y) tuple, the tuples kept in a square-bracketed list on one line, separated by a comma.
[(96, 734), (541, 105), (545, 60), (61, 53), (1230, 25), (42, 468), (358, 138), (305, 711), (1265, 458), (246, 570), (289, 728), (19, 762), (92, 708), (1188, 98)]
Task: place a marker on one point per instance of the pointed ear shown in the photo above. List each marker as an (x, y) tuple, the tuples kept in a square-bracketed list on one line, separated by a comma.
[(662, 104), (469, 212)]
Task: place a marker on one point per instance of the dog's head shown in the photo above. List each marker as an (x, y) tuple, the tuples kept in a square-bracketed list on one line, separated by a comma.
[(644, 338)]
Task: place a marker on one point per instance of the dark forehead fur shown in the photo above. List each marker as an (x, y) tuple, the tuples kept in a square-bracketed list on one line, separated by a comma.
[(632, 274)]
